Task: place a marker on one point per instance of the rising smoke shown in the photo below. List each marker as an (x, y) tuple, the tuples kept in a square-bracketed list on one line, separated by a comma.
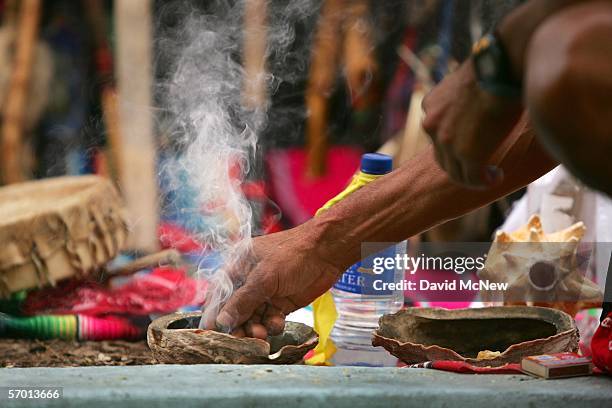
[(214, 128)]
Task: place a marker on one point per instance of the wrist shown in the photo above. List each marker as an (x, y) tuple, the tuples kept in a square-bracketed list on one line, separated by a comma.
[(493, 69), (330, 243), (498, 106)]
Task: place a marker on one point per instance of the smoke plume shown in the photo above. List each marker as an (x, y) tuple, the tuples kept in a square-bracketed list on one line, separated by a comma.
[(215, 126)]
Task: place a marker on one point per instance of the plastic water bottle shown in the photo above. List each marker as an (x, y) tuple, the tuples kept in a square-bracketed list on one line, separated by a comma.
[(358, 304)]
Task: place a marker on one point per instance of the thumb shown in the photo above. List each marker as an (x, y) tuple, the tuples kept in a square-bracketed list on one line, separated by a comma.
[(239, 307)]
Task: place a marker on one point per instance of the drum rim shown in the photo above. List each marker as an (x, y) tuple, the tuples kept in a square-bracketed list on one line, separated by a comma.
[(80, 188)]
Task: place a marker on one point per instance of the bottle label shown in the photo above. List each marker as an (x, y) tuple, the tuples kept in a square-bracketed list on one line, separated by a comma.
[(361, 279)]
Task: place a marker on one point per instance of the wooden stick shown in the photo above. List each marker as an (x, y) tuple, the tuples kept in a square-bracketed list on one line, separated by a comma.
[(414, 138), (254, 54), (134, 58), (110, 113), (169, 257), (359, 62), (324, 67), (11, 146)]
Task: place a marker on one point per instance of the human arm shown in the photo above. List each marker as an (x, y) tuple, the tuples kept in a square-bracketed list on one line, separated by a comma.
[(468, 123), (294, 267), (568, 90), (419, 195)]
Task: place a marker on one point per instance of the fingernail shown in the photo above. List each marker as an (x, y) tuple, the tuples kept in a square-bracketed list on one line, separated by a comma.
[(223, 322), (493, 174)]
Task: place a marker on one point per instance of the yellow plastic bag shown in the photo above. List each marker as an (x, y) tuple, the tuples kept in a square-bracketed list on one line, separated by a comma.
[(324, 308)]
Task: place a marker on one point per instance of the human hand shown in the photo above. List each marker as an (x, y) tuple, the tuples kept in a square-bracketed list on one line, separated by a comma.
[(467, 125), (286, 273)]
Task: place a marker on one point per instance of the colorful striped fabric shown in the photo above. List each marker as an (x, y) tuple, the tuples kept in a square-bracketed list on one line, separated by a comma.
[(40, 327), (69, 327), (108, 328)]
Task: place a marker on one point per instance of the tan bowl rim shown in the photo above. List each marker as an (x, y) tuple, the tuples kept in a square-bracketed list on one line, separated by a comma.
[(486, 313), (162, 323)]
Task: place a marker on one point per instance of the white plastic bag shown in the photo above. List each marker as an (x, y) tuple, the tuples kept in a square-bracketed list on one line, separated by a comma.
[(562, 200)]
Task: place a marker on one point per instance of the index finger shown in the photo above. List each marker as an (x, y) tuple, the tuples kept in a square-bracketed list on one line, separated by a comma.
[(240, 306)]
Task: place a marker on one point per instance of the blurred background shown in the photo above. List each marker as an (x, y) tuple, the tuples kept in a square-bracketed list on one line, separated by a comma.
[(79, 93)]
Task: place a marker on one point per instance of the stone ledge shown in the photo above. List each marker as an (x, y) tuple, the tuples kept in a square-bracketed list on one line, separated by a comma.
[(300, 386)]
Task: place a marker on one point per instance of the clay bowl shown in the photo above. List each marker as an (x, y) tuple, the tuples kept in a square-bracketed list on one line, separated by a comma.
[(417, 335), (175, 339)]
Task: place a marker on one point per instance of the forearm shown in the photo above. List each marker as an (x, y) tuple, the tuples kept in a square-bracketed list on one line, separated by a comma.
[(517, 28), (413, 199)]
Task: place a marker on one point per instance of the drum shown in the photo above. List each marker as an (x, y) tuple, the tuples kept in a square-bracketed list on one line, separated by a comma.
[(57, 228)]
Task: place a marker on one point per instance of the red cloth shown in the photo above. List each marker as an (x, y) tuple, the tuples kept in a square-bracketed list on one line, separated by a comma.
[(299, 196), (173, 236), (601, 345), (466, 368), (463, 367), (162, 291), (257, 193)]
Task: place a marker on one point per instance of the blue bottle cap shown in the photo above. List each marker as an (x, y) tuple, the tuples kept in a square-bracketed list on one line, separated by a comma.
[(376, 163)]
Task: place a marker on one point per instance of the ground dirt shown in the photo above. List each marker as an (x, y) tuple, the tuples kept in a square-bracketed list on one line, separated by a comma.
[(62, 353)]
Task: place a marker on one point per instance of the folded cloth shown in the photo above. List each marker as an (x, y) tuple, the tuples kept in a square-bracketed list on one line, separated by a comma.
[(70, 327), (163, 290)]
